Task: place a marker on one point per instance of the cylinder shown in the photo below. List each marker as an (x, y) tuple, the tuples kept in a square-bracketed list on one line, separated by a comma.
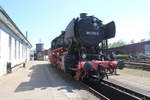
[(39, 47)]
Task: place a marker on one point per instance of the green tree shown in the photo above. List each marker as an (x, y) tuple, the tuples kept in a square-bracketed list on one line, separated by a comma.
[(132, 41), (116, 44), (142, 40), (148, 36)]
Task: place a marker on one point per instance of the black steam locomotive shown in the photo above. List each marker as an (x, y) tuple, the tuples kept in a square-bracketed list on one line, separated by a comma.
[(81, 49)]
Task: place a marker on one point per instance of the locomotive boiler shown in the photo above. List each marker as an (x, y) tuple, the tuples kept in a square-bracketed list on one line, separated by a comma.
[(81, 50)]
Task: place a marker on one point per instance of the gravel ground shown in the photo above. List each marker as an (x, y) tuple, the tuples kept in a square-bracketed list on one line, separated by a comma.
[(136, 72), (138, 79), (39, 81)]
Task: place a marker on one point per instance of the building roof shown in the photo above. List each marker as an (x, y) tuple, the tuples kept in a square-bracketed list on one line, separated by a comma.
[(11, 25)]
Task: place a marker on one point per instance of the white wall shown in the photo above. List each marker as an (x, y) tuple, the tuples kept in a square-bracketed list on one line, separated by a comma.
[(4, 52), (7, 49)]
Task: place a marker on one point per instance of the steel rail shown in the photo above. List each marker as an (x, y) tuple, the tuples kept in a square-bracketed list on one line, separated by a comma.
[(129, 92), (95, 92), (143, 66)]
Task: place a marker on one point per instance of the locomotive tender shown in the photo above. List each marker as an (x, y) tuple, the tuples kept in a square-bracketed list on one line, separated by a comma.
[(81, 50)]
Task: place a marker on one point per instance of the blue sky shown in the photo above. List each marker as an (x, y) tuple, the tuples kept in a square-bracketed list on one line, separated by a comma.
[(44, 19)]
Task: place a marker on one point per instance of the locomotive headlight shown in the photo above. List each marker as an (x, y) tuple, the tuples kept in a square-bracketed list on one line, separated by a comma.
[(83, 56), (95, 24)]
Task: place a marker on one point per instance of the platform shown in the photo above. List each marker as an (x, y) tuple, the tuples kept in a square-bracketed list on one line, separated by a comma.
[(39, 81), (134, 79)]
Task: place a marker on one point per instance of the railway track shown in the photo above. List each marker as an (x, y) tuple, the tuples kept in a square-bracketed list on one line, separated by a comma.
[(95, 92), (115, 92), (144, 66), (139, 61), (136, 95), (79, 84)]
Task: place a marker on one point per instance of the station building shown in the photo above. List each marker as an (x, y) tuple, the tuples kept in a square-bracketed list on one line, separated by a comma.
[(14, 46)]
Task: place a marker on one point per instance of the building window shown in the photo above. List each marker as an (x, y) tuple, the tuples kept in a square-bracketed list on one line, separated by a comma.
[(22, 50), (19, 50), (15, 49), (10, 41)]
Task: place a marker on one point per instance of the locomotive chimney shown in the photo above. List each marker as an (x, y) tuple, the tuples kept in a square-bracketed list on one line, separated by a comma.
[(83, 15)]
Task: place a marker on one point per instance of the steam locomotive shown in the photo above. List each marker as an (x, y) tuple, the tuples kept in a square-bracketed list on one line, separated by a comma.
[(81, 50)]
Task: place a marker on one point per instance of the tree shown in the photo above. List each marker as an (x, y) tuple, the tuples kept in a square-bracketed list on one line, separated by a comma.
[(142, 40), (116, 44), (132, 41), (148, 35)]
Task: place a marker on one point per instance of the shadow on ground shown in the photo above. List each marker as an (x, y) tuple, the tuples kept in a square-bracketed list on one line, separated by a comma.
[(44, 76)]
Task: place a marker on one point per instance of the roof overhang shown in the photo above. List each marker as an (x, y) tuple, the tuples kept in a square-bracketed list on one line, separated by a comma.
[(12, 26)]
